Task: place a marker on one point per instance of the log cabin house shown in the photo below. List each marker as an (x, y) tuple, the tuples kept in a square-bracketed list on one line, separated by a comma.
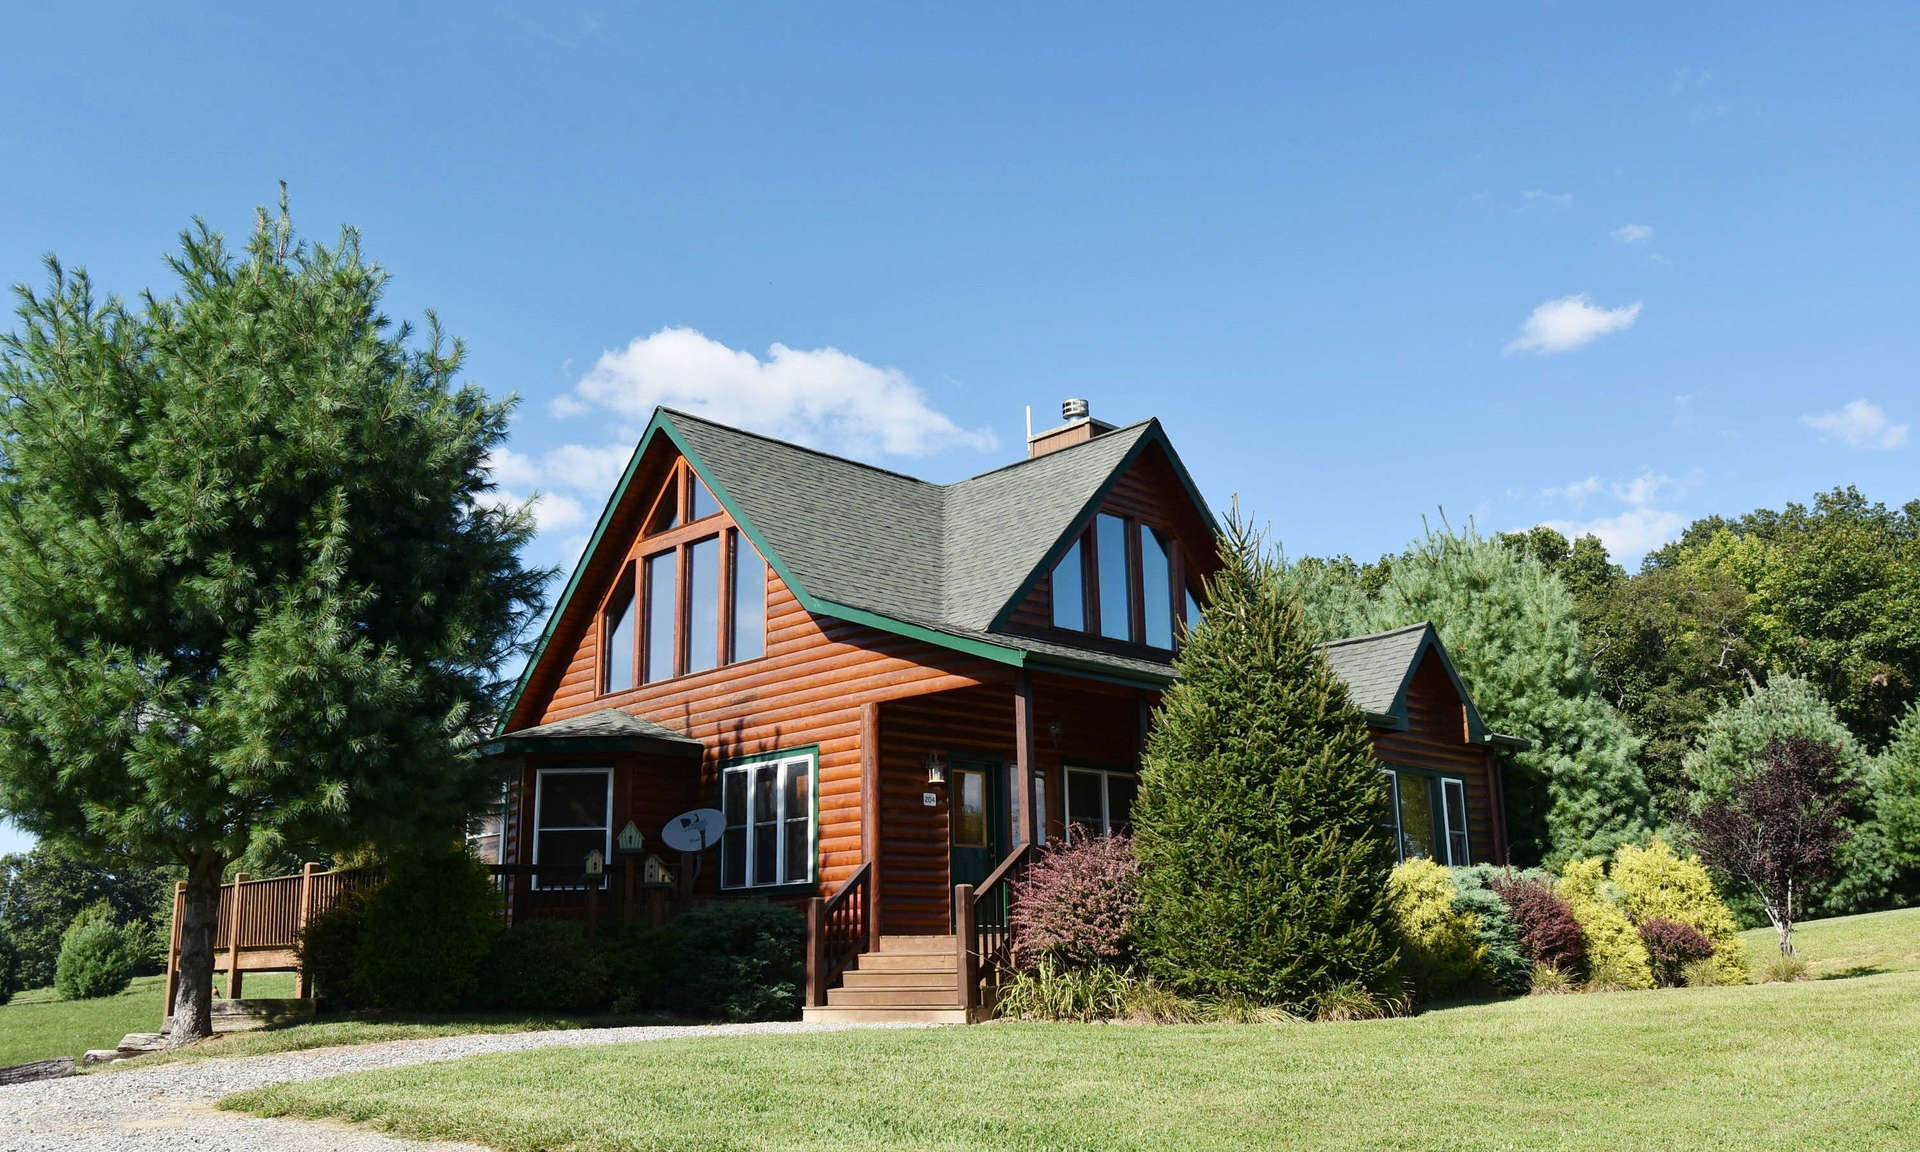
[(892, 689)]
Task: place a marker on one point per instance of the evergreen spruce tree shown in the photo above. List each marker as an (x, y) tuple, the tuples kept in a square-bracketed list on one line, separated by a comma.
[(1259, 824), (256, 588)]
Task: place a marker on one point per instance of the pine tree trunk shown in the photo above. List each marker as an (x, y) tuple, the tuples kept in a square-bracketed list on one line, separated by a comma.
[(199, 910)]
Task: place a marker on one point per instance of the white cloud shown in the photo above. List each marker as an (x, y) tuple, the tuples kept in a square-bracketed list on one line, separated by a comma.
[(1632, 234), (551, 510), (1630, 534), (1550, 199), (1861, 423), (822, 396), (1576, 493), (1569, 322), (581, 466), (511, 469), (1641, 490)]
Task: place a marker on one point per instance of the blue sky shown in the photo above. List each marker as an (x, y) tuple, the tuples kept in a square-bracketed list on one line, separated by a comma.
[(1611, 268)]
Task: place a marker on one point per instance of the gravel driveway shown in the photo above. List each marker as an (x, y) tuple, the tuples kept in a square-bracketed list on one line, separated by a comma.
[(170, 1106)]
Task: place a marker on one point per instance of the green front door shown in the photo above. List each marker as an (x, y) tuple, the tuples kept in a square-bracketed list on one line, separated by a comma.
[(977, 819)]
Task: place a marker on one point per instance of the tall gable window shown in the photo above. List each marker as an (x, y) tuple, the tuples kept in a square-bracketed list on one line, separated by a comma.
[(694, 597), (1119, 580)]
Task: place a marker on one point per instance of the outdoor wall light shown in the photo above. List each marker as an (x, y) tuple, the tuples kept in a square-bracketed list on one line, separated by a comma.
[(936, 768)]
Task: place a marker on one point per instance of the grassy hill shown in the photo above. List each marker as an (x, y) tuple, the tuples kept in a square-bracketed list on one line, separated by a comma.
[(34, 1025), (1847, 945)]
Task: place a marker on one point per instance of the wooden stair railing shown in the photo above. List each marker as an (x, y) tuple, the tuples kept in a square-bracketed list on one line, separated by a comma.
[(983, 929), (838, 928)]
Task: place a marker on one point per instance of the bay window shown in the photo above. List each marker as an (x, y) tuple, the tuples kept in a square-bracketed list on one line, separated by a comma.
[(572, 809)]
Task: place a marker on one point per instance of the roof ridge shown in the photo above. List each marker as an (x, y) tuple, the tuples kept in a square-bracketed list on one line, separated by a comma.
[(824, 455), (1012, 464), (1375, 635)]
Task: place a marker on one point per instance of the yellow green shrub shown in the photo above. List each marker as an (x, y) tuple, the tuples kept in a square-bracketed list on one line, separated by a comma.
[(1616, 956), (1439, 940), (1656, 883)]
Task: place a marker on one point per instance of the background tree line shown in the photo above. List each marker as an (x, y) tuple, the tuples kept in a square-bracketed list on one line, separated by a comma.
[(1645, 694)]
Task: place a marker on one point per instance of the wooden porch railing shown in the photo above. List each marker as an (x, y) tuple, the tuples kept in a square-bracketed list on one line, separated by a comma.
[(546, 892), (983, 929), (838, 928), (259, 923)]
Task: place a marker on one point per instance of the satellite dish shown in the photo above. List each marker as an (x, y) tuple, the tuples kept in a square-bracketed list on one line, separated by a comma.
[(694, 831)]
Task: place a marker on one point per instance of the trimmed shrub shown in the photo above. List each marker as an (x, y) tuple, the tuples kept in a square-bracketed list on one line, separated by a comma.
[(1616, 957), (1671, 946), (1503, 965), (1656, 883), (636, 959), (1258, 826), (327, 945), (735, 960), (1550, 937), (97, 955), (1439, 939), (425, 934), (544, 966), (1076, 904)]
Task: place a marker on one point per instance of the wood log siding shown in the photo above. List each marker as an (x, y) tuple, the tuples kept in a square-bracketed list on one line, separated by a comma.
[(806, 691), (1435, 740)]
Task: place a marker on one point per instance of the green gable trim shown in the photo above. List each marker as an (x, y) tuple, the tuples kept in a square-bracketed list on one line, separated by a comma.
[(1154, 434), (972, 647)]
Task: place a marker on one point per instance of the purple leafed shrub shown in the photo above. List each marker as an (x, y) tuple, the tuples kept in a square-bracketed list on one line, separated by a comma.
[(1076, 904), (1549, 934), (1671, 946)]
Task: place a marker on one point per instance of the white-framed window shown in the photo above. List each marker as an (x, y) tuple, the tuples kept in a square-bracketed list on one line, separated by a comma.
[(486, 832), (769, 838), (1453, 817), (1429, 816), (572, 816), (1100, 800)]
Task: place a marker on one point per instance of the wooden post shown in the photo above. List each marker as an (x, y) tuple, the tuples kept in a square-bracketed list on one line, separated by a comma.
[(631, 865), (1023, 822), (593, 901), (816, 952), (870, 814), (173, 949), (966, 960), (303, 983), (233, 938)]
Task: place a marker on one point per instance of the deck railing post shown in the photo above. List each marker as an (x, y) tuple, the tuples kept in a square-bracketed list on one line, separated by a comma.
[(816, 952), (966, 959), (173, 948), (303, 983), (238, 919)]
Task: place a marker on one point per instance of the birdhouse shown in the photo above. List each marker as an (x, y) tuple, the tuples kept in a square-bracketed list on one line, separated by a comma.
[(654, 871), (630, 839), (596, 863)]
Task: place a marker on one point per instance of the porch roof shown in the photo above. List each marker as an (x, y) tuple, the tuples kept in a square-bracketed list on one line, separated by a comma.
[(608, 729)]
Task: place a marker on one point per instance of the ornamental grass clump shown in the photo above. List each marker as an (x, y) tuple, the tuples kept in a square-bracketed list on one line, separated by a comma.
[(1075, 907)]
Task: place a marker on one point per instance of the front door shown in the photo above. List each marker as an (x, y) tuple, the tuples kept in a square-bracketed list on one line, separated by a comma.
[(978, 816)]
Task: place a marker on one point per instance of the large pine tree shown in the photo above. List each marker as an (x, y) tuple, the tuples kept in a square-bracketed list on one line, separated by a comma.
[(1259, 823), (255, 589)]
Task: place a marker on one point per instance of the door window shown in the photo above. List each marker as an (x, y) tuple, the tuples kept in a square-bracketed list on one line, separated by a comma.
[(969, 808)]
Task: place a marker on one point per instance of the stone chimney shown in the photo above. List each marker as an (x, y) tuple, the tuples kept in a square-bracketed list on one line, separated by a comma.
[(1079, 428)]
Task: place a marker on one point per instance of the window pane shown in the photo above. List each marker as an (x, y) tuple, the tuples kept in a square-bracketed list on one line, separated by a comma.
[(703, 604), (1458, 850), (970, 809), (1156, 586), (799, 790), (1416, 817), (573, 799), (1390, 818), (1121, 790), (1084, 807), (734, 801), (1116, 592), (618, 658), (733, 857), (704, 505), (667, 514), (797, 851), (1193, 607), (661, 590), (567, 852), (766, 846), (1039, 808), (1070, 592), (749, 601)]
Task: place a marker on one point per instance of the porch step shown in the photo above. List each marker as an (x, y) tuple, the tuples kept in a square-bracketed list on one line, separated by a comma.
[(907, 962), (917, 945), (863, 977), (872, 1014), (925, 997)]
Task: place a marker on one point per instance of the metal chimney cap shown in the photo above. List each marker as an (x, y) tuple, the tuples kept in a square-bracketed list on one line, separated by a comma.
[(1074, 408)]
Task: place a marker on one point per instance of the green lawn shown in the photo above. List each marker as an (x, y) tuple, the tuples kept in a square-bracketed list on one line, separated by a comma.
[(1758, 1067), (1847, 945), (35, 1025)]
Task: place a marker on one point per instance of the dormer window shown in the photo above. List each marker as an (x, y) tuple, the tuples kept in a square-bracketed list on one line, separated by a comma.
[(1119, 580)]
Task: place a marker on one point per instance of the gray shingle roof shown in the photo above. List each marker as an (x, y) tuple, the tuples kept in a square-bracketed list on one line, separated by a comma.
[(609, 724), (945, 556), (1376, 667)]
